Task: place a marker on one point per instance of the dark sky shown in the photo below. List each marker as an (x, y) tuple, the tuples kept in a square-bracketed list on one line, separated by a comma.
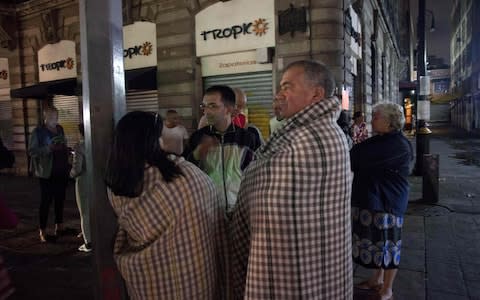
[(438, 42)]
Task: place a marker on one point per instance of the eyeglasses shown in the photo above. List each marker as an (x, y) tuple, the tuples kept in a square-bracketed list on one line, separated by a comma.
[(212, 106)]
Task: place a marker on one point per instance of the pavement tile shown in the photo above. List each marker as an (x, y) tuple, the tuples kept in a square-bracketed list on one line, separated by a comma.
[(412, 260), (436, 295), (414, 224), (444, 277), (441, 254), (473, 288), (413, 240), (471, 271), (409, 285)]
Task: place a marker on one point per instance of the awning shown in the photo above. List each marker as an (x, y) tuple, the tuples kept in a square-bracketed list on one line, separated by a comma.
[(445, 98), (407, 85), (138, 79), (42, 90), (144, 79)]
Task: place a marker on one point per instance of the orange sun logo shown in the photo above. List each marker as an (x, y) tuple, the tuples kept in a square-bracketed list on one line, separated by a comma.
[(4, 74), (69, 63), (147, 48), (260, 27)]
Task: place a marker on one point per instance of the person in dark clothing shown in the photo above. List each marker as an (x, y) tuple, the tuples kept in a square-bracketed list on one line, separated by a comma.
[(49, 162), (7, 158), (380, 189), (221, 149), (344, 122)]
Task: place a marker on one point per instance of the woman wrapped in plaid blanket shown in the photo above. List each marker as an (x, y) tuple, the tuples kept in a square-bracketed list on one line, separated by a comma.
[(169, 243)]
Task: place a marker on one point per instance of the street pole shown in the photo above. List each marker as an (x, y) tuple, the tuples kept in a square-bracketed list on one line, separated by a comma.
[(103, 86), (423, 90)]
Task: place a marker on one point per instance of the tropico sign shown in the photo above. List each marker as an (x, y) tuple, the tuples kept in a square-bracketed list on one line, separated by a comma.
[(258, 27)]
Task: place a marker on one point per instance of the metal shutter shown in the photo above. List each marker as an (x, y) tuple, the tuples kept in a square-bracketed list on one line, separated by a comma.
[(258, 87), (6, 125), (68, 117), (142, 100)]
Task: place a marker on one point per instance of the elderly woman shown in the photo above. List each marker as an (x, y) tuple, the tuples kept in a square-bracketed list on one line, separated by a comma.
[(168, 244), (381, 165)]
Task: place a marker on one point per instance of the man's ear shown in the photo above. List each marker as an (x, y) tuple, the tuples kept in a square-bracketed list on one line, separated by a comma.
[(319, 93), (230, 109)]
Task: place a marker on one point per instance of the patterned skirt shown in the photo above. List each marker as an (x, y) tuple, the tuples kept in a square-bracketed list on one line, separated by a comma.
[(376, 238)]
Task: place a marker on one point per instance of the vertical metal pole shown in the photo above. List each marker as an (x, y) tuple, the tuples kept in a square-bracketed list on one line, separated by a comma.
[(423, 104), (103, 86)]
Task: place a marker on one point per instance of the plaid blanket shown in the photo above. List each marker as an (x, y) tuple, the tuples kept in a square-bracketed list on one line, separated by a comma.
[(291, 232), (169, 242)]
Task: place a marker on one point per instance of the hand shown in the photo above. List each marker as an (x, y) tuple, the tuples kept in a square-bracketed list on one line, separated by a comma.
[(200, 153), (58, 140)]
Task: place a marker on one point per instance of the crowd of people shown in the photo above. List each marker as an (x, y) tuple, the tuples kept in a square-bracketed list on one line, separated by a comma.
[(223, 214), (235, 217)]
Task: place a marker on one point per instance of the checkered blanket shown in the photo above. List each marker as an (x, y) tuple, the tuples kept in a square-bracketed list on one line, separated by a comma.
[(291, 232), (169, 243)]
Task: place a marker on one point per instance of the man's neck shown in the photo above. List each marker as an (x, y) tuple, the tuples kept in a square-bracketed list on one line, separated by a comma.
[(224, 125), (170, 125)]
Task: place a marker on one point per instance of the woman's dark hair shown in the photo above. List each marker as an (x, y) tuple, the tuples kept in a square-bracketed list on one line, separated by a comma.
[(357, 114), (135, 144)]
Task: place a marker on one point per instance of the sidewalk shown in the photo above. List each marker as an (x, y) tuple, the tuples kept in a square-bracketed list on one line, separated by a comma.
[(50, 271), (441, 242)]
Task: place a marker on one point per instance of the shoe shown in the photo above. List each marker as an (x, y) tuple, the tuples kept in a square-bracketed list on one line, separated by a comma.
[(80, 236), (85, 247), (43, 236)]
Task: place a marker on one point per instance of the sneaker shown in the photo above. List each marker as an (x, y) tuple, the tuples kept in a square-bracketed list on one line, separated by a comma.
[(85, 247)]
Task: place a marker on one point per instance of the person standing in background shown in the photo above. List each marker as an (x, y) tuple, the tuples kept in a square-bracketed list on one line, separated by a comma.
[(380, 190), (221, 149), (49, 162), (174, 135), (238, 118), (78, 172), (359, 128)]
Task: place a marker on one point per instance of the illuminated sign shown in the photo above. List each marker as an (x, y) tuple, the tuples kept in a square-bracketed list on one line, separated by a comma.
[(57, 61)]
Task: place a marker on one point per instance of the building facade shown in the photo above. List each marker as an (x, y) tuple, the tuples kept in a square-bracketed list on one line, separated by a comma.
[(242, 43), (465, 64)]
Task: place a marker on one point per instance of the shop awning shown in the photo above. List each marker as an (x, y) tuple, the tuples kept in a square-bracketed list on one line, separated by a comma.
[(138, 79), (445, 98), (407, 85), (144, 79), (68, 87)]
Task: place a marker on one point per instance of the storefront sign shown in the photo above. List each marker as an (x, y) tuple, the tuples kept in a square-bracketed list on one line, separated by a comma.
[(234, 26), (140, 45), (57, 61), (4, 73), (439, 73), (242, 62)]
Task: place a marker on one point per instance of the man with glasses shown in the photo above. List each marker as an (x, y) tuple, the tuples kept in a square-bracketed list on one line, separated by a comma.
[(221, 149)]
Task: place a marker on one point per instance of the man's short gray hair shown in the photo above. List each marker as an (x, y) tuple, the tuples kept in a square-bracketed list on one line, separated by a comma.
[(317, 74), (393, 113)]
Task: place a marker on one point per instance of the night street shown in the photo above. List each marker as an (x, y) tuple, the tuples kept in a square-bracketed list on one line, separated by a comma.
[(439, 259)]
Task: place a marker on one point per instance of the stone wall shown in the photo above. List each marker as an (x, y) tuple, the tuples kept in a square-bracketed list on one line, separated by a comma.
[(33, 32), (179, 78)]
